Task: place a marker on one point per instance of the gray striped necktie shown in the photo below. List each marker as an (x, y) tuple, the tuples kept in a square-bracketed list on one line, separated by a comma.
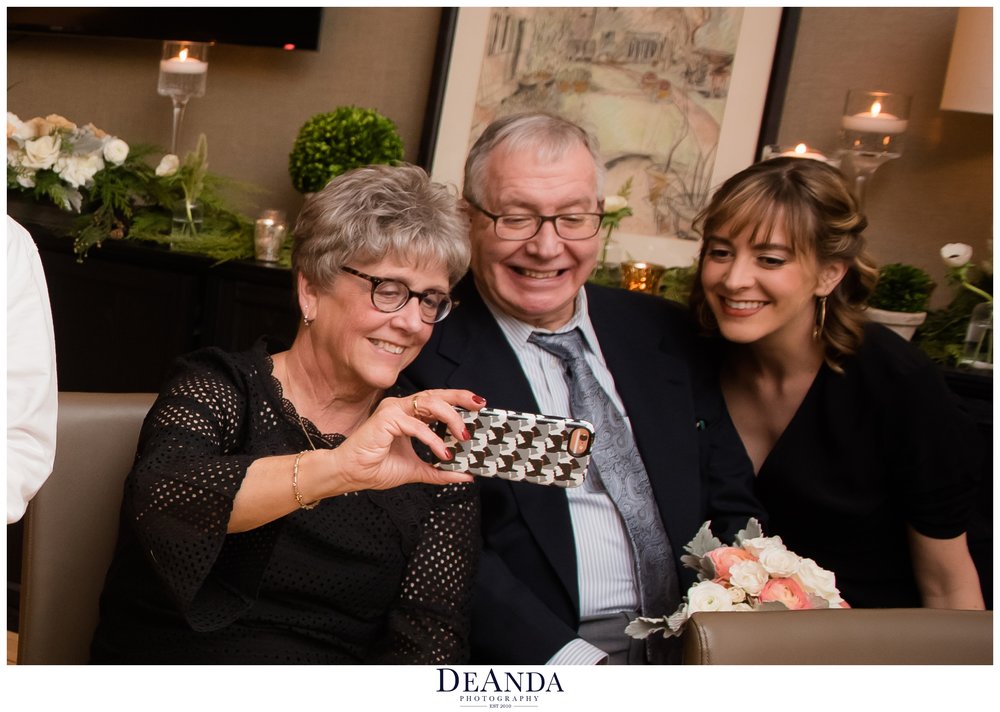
[(622, 473)]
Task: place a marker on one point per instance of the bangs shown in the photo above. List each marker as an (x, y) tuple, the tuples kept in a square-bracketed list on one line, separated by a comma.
[(761, 210)]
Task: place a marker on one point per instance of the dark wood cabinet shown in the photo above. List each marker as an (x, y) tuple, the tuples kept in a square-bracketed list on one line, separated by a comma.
[(128, 310)]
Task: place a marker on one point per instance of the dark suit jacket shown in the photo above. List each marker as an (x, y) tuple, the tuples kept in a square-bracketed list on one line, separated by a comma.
[(526, 604)]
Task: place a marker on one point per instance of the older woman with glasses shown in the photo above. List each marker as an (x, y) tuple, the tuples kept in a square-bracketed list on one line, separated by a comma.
[(277, 511)]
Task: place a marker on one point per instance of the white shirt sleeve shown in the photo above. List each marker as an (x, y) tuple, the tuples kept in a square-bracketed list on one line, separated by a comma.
[(578, 652), (32, 390)]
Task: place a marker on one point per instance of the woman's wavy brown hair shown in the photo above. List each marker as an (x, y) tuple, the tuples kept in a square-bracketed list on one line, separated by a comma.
[(811, 203)]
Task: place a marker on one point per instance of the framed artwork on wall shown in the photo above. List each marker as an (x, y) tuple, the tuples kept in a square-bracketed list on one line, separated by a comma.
[(674, 95)]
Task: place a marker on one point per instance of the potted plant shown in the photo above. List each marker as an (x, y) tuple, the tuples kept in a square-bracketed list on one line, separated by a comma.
[(332, 143), (900, 298)]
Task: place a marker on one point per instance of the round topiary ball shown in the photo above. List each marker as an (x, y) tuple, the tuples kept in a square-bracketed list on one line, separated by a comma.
[(330, 144)]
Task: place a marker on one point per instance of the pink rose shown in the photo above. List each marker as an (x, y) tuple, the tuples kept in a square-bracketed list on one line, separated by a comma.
[(723, 559), (786, 591)]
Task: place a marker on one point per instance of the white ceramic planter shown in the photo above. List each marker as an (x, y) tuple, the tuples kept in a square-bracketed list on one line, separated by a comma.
[(903, 323)]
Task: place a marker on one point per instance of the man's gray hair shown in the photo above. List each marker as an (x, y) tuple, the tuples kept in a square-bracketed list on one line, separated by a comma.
[(548, 134), (380, 212)]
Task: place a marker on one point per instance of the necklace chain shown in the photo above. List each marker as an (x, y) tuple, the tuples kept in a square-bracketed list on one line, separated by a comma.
[(304, 431), (302, 423)]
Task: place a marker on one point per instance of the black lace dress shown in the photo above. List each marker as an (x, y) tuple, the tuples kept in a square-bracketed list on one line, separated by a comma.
[(373, 577)]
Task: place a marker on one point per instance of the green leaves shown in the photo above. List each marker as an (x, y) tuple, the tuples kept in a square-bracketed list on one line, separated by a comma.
[(332, 143), (902, 288)]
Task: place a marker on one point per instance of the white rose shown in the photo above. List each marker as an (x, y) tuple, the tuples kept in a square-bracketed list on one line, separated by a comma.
[(14, 124), (708, 596), (737, 594), (79, 170), (115, 151), (26, 179), (41, 152), (779, 562), (742, 607), (817, 580), (760, 544), (614, 203), (956, 254), (749, 576), (33, 128), (168, 165)]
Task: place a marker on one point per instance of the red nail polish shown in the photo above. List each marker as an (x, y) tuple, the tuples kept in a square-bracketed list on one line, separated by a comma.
[(479, 399), (449, 454), (465, 434)]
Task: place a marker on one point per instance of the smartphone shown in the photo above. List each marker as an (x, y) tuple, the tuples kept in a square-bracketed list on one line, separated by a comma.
[(521, 447)]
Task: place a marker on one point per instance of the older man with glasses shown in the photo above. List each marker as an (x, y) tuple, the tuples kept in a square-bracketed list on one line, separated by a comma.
[(563, 571)]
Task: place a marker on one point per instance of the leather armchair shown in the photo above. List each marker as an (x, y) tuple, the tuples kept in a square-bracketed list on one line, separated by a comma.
[(71, 525), (857, 636)]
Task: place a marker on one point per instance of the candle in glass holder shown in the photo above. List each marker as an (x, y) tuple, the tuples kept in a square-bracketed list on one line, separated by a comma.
[(874, 121), (800, 150), (871, 132), (642, 276), (183, 70)]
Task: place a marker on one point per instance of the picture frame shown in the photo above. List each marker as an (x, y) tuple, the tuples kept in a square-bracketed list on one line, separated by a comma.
[(665, 237)]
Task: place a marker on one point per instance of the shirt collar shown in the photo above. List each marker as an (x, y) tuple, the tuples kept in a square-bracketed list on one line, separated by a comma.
[(517, 331)]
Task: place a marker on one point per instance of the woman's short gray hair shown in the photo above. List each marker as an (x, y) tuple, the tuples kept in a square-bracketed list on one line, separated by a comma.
[(377, 212), (548, 134)]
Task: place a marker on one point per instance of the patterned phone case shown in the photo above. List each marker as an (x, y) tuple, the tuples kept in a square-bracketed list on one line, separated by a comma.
[(522, 447)]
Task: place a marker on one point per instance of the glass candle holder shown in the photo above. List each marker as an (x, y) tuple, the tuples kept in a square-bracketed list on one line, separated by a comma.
[(871, 132), (642, 276), (875, 121), (183, 74), (269, 235), (799, 150), (977, 350)]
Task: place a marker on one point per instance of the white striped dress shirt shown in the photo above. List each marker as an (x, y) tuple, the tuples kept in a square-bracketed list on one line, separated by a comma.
[(605, 565)]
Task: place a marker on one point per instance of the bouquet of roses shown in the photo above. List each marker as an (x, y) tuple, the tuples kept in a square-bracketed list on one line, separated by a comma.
[(755, 573), (56, 158)]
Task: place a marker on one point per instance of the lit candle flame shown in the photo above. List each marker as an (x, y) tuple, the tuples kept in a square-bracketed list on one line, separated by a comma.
[(801, 148), (876, 108), (184, 55)]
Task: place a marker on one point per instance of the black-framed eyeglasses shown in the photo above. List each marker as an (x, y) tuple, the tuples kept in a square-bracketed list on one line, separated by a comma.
[(522, 226), (391, 295)]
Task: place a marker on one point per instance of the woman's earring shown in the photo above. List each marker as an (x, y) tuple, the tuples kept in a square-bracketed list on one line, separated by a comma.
[(305, 319), (820, 319)]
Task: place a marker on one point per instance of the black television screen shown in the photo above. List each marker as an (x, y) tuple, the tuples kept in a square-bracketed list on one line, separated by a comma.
[(283, 27)]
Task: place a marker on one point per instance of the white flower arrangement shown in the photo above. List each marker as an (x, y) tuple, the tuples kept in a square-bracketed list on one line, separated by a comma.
[(755, 573), (120, 194), (57, 155)]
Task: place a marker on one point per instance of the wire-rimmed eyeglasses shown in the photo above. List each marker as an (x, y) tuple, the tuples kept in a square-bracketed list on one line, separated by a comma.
[(524, 226), (391, 295)]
